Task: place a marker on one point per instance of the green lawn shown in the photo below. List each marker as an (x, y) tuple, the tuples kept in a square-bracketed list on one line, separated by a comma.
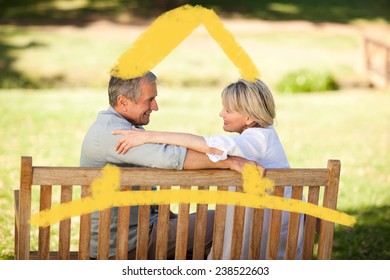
[(81, 57), (352, 126)]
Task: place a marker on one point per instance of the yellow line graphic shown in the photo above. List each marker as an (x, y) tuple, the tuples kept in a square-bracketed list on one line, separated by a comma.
[(106, 194), (168, 31)]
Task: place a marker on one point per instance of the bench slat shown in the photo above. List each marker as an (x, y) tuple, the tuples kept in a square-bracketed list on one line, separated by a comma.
[(293, 227), (330, 201), (200, 230), (44, 233), (143, 229), (16, 221), (85, 229), (26, 172), (219, 229), (163, 227), (123, 230), (238, 232), (104, 234), (256, 233), (182, 229), (166, 177), (274, 229), (310, 225), (65, 226)]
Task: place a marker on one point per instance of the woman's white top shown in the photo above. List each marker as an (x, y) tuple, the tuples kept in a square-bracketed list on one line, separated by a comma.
[(263, 146)]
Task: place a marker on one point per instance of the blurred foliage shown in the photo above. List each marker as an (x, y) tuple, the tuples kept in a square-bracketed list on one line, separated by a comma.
[(81, 12), (307, 80)]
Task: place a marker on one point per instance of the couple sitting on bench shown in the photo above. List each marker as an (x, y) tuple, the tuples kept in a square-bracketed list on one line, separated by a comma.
[(117, 137)]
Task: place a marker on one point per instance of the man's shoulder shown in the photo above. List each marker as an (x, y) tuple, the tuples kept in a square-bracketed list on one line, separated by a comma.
[(110, 118)]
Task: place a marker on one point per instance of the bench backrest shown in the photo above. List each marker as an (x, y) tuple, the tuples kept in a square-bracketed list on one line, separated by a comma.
[(38, 184)]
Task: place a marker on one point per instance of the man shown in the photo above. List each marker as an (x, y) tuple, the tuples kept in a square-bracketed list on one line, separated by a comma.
[(131, 103)]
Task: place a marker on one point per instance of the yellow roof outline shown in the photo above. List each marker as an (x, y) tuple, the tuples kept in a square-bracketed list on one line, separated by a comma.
[(168, 31)]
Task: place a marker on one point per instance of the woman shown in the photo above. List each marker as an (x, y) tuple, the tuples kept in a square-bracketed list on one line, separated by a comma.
[(249, 110)]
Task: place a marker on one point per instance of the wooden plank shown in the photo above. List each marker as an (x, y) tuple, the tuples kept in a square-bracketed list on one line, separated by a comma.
[(256, 233), (123, 230), (200, 230), (238, 232), (143, 230), (53, 255), (274, 231), (103, 250), (85, 229), (16, 220), (182, 229), (44, 232), (325, 240), (310, 225), (219, 229), (65, 226), (293, 227), (163, 228), (150, 176), (166, 177), (26, 172)]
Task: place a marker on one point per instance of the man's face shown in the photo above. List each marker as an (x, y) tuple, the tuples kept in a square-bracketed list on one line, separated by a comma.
[(138, 112)]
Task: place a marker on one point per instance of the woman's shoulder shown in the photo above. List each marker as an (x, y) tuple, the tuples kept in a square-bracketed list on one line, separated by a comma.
[(259, 130)]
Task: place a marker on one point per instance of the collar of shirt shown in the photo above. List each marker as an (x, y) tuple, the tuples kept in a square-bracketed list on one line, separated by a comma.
[(113, 111)]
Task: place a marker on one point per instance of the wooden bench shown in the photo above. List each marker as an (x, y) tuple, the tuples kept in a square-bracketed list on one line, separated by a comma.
[(377, 59), (38, 185)]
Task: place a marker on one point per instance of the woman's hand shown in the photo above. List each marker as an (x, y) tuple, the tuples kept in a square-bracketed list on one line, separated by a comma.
[(131, 138), (237, 164)]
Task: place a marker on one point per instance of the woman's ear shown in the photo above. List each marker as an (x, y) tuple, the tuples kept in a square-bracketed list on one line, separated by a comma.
[(250, 122)]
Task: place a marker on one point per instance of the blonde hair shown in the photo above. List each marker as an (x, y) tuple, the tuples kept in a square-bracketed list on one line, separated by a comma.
[(253, 99)]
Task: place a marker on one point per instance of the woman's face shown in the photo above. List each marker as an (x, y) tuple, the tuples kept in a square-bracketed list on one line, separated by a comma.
[(234, 121)]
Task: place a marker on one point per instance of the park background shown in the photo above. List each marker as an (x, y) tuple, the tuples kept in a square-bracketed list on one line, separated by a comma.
[(55, 57)]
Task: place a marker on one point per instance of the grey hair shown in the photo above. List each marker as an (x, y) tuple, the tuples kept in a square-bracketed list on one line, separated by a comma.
[(253, 99), (130, 88)]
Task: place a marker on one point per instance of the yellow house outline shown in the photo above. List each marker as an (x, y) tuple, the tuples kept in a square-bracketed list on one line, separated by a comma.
[(143, 56), (157, 42)]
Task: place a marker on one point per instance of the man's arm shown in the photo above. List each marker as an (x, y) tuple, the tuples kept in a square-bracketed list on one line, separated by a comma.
[(197, 160)]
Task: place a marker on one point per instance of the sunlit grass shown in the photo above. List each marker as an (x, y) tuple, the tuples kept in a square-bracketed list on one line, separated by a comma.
[(82, 57)]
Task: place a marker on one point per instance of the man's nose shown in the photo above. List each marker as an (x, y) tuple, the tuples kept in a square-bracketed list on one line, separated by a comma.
[(154, 105)]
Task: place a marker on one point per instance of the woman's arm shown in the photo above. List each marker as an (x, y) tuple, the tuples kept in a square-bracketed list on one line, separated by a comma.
[(136, 137)]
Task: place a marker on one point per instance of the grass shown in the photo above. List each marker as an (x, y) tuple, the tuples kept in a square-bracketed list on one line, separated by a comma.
[(93, 54), (50, 125)]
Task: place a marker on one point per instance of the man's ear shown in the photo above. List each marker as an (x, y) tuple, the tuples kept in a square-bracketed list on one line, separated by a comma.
[(121, 102)]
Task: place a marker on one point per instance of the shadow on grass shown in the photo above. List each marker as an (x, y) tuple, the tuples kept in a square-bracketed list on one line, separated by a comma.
[(369, 239), (9, 77), (340, 11), (43, 12)]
